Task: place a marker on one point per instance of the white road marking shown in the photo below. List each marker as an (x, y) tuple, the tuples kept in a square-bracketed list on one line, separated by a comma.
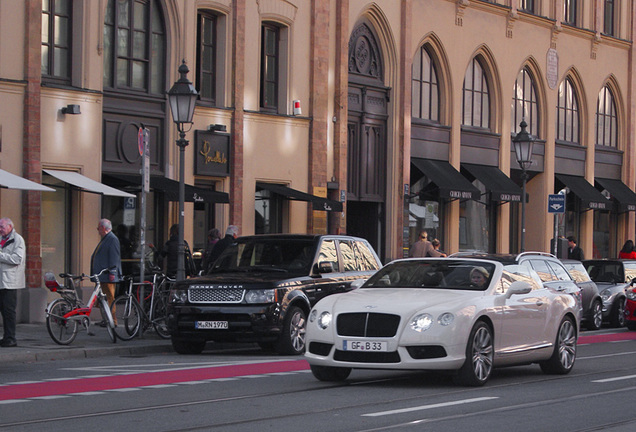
[(606, 355), (621, 378), (426, 407)]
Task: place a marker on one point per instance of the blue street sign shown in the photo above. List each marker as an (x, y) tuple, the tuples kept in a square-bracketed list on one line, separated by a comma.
[(556, 203)]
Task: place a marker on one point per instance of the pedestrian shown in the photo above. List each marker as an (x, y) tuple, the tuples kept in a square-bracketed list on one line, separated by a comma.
[(171, 253), (423, 248), (574, 252), (231, 233), (627, 252), (436, 245), (107, 255), (214, 235), (12, 278)]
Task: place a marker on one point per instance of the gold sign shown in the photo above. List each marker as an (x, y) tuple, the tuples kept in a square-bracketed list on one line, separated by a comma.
[(216, 157)]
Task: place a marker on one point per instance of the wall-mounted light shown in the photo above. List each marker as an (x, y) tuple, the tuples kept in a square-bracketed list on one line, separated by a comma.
[(217, 128), (71, 109)]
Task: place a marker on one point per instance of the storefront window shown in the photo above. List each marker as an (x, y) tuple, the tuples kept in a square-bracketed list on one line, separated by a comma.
[(56, 227), (605, 226), (268, 208), (125, 215), (475, 222), (424, 215)]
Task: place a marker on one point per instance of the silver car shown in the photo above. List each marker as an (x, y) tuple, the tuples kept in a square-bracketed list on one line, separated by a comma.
[(612, 276), (590, 296)]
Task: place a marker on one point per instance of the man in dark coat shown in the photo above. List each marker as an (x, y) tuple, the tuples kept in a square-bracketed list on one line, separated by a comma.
[(230, 235), (574, 252), (107, 255)]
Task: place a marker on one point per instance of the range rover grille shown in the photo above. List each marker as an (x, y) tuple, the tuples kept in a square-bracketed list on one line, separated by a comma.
[(215, 295)]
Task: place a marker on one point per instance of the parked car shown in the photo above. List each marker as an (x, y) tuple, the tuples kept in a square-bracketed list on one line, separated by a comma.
[(461, 315), (262, 287), (612, 276), (590, 297), (630, 307)]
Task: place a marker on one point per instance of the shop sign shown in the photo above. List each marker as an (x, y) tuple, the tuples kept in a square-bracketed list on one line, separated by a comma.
[(212, 153)]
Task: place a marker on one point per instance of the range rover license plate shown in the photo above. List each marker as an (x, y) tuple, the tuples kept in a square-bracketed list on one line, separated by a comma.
[(211, 325), (365, 346)]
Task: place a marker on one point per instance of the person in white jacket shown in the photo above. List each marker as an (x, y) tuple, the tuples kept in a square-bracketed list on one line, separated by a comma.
[(12, 278)]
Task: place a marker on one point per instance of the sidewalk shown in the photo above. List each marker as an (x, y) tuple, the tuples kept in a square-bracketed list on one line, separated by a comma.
[(35, 344)]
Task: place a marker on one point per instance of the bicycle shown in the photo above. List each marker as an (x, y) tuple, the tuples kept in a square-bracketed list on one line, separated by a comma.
[(63, 315), (132, 318)]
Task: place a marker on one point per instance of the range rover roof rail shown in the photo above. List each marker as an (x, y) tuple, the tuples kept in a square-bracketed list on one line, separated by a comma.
[(536, 253)]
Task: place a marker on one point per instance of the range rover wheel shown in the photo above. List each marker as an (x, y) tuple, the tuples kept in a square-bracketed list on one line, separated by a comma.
[(184, 346), (329, 373), (562, 360), (292, 338)]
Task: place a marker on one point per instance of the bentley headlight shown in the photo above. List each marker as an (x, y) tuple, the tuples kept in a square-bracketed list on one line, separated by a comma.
[(324, 320), (422, 322), (446, 318), (312, 315), (260, 296), (631, 294)]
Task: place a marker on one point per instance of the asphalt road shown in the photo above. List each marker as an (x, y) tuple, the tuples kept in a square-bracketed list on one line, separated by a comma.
[(246, 389)]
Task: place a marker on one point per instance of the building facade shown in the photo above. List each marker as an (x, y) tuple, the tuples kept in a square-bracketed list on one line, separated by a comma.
[(378, 119)]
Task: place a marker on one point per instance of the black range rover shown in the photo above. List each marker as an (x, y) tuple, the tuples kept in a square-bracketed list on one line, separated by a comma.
[(262, 288)]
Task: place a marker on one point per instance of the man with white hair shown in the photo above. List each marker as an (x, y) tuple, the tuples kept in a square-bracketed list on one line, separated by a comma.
[(12, 278), (107, 255)]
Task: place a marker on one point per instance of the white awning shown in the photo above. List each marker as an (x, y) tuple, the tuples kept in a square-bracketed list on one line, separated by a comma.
[(12, 181), (87, 184)]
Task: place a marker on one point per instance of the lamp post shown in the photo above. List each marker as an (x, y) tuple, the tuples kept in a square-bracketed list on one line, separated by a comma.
[(182, 97), (523, 143)]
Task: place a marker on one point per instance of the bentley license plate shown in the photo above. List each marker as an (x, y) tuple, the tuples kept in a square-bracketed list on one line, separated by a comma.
[(364, 346), (211, 325)]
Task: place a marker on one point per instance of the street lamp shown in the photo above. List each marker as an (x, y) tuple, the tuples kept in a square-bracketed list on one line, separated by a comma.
[(523, 143), (182, 97)]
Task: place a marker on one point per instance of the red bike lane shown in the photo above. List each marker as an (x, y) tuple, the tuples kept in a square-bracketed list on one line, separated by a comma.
[(115, 382), (146, 379)]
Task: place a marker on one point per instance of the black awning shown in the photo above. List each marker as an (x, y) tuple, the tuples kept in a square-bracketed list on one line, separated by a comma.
[(449, 181), (624, 196), (169, 187), (500, 186), (589, 196), (319, 203)]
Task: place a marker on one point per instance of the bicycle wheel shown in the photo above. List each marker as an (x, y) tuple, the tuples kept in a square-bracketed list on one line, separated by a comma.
[(61, 330), (128, 317), (159, 314), (108, 318)]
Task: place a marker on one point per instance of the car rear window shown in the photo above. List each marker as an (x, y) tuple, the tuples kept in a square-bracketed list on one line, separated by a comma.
[(577, 271)]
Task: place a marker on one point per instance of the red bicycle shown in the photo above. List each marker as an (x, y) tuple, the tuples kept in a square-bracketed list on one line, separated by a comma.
[(64, 315)]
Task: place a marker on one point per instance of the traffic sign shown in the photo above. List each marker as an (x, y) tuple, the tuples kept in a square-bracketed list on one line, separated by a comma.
[(556, 203)]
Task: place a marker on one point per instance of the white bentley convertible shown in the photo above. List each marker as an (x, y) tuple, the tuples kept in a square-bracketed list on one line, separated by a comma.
[(453, 314)]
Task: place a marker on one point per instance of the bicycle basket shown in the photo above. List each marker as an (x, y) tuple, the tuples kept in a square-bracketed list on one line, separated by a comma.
[(51, 282)]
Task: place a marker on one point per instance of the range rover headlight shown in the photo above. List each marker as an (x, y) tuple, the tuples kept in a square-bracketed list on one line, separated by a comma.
[(324, 320), (422, 322), (260, 296), (178, 296)]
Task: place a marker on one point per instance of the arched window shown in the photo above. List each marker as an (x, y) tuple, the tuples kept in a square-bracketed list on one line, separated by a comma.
[(134, 46), (524, 103), (476, 101), (606, 119), (567, 122), (424, 87)]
